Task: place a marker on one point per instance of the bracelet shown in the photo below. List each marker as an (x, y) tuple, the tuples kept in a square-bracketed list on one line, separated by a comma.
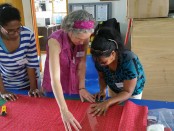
[(81, 89)]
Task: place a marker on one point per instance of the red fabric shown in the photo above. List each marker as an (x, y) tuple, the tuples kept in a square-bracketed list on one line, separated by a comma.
[(129, 117), (167, 129), (128, 32), (42, 114)]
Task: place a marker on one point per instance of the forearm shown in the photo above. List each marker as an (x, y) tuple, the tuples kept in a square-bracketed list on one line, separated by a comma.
[(102, 84), (128, 89), (122, 96), (58, 93), (32, 78), (82, 67), (81, 74), (2, 89)]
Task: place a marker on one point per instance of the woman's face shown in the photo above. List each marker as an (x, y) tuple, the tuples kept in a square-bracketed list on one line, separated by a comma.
[(79, 38), (12, 29), (105, 61)]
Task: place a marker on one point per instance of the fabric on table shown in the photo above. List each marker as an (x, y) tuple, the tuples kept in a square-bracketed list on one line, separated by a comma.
[(130, 117), (42, 114)]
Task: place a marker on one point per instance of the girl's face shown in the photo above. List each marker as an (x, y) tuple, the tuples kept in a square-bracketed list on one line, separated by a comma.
[(79, 38), (105, 61), (12, 30)]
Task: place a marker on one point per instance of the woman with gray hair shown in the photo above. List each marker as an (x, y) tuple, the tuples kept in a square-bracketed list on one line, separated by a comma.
[(65, 64)]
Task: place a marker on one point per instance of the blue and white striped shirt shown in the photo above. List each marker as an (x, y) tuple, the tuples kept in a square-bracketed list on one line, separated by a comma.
[(13, 66)]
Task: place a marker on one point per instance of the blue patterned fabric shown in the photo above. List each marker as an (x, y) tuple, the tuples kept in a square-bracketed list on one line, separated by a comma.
[(129, 68)]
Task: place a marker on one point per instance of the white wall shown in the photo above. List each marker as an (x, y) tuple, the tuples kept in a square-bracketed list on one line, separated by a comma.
[(118, 12), (27, 14)]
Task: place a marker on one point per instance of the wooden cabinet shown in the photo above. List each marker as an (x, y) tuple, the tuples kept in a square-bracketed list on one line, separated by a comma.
[(52, 10), (46, 32), (153, 41)]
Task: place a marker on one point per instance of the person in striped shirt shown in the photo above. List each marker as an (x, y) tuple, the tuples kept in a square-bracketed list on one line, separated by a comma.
[(18, 55)]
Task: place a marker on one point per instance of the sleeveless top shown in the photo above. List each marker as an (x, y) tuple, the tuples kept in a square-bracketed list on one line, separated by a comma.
[(69, 61)]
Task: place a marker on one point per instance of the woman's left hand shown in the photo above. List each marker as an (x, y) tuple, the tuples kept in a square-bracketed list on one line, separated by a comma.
[(84, 94), (99, 109), (35, 93)]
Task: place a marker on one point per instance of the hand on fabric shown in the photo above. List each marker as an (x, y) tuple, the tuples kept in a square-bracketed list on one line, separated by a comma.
[(100, 96), (69, 120), (8, 96), (35, 93), (99, 109), (84, 94)]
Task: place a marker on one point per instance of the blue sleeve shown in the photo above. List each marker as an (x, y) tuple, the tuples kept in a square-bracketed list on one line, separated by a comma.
[(32, 56), (130, 69)]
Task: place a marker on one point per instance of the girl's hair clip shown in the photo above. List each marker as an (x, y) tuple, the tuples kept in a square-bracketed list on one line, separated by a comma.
[(116, 44)]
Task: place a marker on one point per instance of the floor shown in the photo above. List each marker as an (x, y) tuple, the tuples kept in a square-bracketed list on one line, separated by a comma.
[(155, 93)]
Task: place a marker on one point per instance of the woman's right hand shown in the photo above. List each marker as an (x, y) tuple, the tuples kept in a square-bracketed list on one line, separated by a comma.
[(100, 96), (69, 120), (8, 96)]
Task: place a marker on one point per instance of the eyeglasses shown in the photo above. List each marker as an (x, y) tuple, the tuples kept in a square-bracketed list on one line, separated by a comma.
[(12, 32)]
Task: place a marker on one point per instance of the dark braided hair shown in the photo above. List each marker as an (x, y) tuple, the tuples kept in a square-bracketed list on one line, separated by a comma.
[(106, 41), (8, 13)]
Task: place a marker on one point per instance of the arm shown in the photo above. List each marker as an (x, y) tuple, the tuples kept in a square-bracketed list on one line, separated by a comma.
[(54, 64), (82, 70), (32, 66), (129, 86), (101, 108), (131, 74), (102, 82), (5, 94), (102, 85), (84, 94), (32, 78), (2, 90), (33, 83)]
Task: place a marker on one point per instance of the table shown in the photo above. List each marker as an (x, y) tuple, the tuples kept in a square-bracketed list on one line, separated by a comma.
[(152, 104)]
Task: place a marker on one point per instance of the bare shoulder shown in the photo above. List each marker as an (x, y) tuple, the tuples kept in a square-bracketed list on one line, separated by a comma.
[(53, 44)]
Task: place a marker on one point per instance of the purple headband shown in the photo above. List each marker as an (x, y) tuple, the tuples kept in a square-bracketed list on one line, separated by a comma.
[(83, 24)]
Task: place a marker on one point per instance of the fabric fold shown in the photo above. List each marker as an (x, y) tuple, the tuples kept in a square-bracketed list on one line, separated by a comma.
[(42, 114)]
